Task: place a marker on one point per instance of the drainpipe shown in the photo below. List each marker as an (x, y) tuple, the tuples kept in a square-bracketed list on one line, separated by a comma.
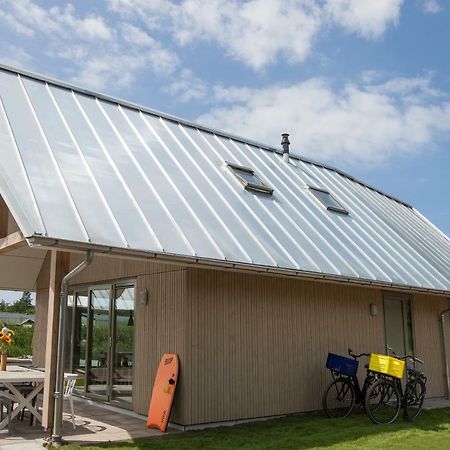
[(57, 418), (447, 368)]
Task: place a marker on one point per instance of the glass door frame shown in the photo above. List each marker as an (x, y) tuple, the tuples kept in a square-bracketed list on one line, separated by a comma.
[(81, 289), (406, 302), (89, 342), (113, 399)]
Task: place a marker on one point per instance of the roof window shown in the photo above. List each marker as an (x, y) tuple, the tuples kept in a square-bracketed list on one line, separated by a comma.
[(249, 179), (328, 200)]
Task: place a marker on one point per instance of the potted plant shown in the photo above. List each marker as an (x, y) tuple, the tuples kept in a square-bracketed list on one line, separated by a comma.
[(5, 341)]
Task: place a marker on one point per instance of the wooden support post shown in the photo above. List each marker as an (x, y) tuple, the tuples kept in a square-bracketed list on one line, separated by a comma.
[(59, 267)]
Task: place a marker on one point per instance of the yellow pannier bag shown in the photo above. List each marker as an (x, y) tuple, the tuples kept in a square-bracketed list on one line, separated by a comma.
[(387, 365)]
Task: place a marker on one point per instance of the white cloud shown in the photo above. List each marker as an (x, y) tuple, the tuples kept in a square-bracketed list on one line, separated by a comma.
[(368, 18), (360, 124), (95, 53), (187, 87), (15, 24), (15, 56), (136, 36), (118, 66), (431, 6), (255, 32), (260, 32), (31, 18)]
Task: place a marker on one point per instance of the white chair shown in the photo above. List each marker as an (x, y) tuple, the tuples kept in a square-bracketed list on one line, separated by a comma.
[(69, 383), (8, 403)]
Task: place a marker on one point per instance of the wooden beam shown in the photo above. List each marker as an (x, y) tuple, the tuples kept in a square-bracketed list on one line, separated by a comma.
[(59, 267), (3, 218), (11, 242)]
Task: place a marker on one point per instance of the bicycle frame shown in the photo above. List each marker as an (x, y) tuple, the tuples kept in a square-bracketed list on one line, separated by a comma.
[(359, 393)]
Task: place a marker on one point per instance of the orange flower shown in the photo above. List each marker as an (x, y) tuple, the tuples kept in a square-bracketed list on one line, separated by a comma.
[(7, 339), (1, 334)]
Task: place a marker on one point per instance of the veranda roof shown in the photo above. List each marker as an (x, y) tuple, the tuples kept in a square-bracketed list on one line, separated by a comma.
[(82, 170)]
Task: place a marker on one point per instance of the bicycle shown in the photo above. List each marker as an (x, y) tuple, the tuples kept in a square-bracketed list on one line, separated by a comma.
[(385, 397), (344, 391)]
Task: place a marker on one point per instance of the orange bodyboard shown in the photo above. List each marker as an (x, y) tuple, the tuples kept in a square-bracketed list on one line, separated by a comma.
[(163, 392)]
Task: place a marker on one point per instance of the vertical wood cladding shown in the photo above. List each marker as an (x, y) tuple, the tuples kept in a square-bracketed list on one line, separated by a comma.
[(429, 340), (158, 326), (3, 218), (258, 345), (7, 223), (40, 324), (107, 268), (249, 345)]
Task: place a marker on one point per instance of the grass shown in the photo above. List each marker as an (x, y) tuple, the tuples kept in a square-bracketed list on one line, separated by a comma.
[(312, 431)]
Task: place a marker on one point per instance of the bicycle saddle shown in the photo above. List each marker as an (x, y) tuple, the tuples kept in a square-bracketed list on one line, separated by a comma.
[(414, 370)]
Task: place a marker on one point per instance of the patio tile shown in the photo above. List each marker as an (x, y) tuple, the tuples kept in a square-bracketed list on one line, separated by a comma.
[(94, 423)]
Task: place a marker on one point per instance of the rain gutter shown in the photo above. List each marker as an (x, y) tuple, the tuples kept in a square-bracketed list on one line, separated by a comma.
[(200, 262)]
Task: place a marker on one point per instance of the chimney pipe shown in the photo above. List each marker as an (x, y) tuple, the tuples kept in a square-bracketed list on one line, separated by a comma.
[(285, 143)]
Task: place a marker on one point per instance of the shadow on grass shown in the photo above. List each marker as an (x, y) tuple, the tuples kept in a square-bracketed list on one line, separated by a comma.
[(300, 432)]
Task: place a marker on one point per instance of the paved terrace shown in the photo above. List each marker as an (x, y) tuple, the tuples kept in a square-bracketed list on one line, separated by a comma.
[(95, 422)]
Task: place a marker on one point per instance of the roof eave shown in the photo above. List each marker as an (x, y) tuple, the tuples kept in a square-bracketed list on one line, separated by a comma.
[(72, 246)]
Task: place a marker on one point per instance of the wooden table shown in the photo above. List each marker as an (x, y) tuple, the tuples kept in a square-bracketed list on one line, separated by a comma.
[(14, 375)]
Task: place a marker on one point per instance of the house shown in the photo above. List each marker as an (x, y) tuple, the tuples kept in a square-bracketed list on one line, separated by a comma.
[(20, 319), (250, 262)]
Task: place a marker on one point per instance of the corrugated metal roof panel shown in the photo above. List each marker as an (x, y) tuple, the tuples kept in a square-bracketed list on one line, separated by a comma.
[(84, 168)]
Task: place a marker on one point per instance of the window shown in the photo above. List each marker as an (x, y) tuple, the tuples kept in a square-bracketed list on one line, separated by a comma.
[(327, 200), (249, 179)]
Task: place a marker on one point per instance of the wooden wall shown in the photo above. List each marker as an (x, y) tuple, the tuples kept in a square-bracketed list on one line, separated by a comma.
[(40, 325), (7, 223), (428, 340), (3, 218), (107, 268), (159, 325), (258, 345), (249, 345)]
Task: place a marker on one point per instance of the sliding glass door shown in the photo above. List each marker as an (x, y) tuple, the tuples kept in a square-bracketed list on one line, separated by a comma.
[(102, 341), (99, 341), (122, 360), (79, 330)]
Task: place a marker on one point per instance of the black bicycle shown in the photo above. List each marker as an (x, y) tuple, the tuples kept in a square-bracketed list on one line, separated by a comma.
[(344, 391), (386, 396)]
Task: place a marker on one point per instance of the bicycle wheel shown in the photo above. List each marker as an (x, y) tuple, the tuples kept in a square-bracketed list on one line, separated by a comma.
[(414, 396), (339, 398), (370, 379), (382, 402)]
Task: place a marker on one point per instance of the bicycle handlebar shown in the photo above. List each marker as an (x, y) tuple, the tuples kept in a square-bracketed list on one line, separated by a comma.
[(409, 357), (350, 352)]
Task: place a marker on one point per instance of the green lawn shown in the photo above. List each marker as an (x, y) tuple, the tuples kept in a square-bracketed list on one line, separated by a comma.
[(430, 431)]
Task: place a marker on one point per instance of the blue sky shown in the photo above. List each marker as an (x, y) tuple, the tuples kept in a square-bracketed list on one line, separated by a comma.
[(360, 84)]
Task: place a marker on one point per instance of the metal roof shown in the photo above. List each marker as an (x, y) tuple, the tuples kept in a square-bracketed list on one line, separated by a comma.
[(13, 318), (83, 168)]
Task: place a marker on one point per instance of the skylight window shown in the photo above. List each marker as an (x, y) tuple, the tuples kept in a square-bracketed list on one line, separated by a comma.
[(328, 200), (249, 179)]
